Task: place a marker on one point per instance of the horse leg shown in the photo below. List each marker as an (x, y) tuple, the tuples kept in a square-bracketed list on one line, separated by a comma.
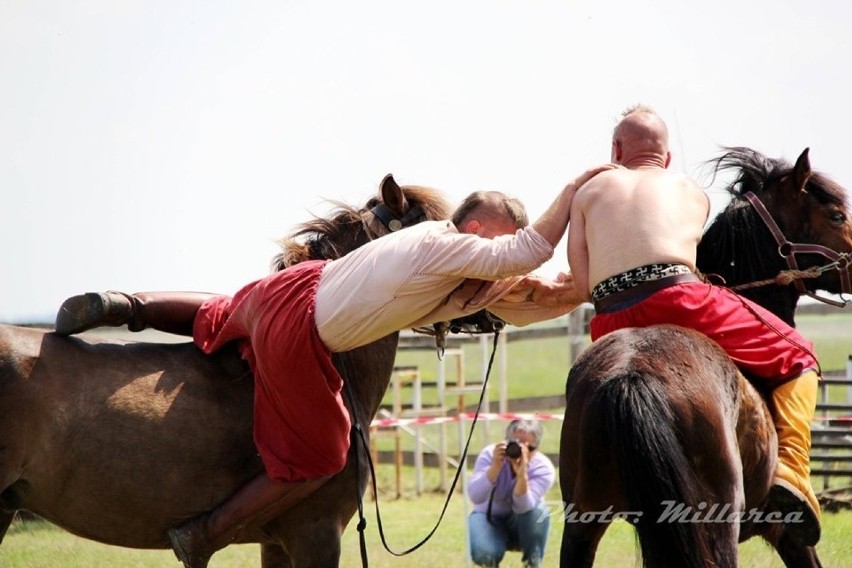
[(580, 543), (274, 556), (796, 555), (311, 545), (6, 518)]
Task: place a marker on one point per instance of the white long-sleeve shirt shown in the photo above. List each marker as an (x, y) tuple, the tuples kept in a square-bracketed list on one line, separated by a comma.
[(417, 276)]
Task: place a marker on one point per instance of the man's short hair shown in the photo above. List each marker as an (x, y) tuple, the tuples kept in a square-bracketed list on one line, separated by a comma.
[(491, 204)]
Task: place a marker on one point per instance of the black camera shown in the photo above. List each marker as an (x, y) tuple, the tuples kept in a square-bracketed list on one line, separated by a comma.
[(513, 449)]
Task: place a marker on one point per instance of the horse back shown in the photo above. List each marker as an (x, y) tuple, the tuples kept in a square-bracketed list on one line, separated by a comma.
[(116, 441), (715, 410), (691, 374)]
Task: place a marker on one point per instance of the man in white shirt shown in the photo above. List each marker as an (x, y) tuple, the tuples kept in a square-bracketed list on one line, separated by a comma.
[(290, 323)]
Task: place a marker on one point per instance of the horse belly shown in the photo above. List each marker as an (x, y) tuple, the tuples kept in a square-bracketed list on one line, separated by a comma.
[(123, 444)]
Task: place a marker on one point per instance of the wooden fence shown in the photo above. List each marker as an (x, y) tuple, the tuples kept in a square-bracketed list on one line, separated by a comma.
[(831, 456)]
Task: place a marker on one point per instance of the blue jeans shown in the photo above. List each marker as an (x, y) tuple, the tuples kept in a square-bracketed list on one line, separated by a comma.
[(526, 532)]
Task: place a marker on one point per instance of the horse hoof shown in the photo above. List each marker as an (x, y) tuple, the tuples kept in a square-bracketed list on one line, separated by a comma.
[(183, 541), (788, 500)]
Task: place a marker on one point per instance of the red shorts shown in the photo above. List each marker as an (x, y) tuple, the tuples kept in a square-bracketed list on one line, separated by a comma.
[(301, 427), (760, 343)]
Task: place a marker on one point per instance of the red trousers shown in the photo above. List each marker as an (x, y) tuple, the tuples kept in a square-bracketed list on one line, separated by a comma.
[(758, 342), (301, 427)]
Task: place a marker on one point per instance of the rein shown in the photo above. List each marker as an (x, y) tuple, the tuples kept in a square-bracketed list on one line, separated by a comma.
[(788, 250), (357, 433)]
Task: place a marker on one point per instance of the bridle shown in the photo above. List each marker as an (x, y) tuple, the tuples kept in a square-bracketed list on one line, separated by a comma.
[(393, 223), (838, 261)]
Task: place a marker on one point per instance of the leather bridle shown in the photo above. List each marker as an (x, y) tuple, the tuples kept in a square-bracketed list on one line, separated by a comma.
[(393, 223), (839, 261)]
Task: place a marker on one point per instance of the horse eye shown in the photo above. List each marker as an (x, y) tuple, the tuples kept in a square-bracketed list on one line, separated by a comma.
[(837, 217)]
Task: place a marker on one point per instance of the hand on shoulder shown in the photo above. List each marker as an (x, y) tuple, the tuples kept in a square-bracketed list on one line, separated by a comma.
[(580, 180)]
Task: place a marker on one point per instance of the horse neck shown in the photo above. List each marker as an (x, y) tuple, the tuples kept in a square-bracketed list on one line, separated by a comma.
[(368, 371), (738, 248), (780, 300)]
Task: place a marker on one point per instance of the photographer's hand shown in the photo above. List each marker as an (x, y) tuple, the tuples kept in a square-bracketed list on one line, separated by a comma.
[(496, 462), (520, 466)]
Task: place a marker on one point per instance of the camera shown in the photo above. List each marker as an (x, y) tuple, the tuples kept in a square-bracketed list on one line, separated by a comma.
[(513, 449)]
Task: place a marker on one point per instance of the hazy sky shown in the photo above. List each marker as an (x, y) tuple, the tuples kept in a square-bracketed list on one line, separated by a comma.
[(167, 144)]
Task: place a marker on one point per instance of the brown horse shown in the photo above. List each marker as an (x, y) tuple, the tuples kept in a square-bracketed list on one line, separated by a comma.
[(118, 441), (661, 428)]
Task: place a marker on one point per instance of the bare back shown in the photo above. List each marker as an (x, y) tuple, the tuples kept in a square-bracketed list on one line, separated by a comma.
[(626, 218)]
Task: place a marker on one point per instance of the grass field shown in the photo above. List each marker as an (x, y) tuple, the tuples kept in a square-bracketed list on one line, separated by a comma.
[(539, 367), (535, 368), (406, 521)]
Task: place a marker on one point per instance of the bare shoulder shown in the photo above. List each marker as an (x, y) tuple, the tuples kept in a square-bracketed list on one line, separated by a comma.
[(605, 179)]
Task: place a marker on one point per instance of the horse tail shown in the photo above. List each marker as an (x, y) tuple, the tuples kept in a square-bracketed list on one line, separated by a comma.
[(656, 475)]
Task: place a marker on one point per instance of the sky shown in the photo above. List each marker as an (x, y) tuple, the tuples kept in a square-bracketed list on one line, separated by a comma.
[(166, 145)]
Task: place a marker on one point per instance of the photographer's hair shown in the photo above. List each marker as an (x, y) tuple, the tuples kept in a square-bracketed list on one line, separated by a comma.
[(529, 426), (483, 205)]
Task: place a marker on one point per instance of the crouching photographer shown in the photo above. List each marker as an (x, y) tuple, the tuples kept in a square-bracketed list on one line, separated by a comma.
[(507, 488)]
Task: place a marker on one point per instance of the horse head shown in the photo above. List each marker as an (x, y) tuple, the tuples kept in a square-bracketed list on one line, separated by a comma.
[(347, 227), (784, 220)]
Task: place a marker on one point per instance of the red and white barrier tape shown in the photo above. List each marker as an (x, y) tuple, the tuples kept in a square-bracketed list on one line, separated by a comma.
[(505, 416), (467, 416)]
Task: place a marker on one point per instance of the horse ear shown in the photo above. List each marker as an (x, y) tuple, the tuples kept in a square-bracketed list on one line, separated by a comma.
[(802, 170), (392, 195)]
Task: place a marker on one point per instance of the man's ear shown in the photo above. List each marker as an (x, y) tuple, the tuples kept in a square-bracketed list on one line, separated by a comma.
[(471, 227), (668, 158), (616, 151)]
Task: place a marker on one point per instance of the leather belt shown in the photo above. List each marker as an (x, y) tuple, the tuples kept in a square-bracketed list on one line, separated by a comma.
[(641, 290)]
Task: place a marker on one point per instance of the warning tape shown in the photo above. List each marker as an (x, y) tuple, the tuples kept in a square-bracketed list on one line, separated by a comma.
[(395, 422), (541, 416)]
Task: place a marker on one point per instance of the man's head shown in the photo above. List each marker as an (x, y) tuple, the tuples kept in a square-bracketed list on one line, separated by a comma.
[(489, 214), (641, 138)]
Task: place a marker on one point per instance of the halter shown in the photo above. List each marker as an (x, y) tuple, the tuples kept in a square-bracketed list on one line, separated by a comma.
[(394, 223), (788, 250)]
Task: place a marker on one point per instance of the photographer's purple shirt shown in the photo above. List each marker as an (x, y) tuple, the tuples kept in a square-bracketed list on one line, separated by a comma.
[(540, 477)]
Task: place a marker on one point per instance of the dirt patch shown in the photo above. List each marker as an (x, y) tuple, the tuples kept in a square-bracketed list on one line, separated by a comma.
[(833, 500)]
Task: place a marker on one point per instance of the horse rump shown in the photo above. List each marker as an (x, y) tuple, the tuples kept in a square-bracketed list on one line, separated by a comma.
[(669, 439)]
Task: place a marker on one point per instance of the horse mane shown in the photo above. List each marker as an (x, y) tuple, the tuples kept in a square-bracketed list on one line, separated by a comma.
[(345, 229), (737, 241), (737, 246), (756, 171)]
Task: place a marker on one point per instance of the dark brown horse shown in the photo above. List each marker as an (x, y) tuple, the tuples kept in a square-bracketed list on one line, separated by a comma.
[(117, 442), (661, 428)]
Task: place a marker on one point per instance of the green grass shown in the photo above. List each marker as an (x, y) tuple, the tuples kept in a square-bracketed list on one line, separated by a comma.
[(406, 521), (831, 335), (539, 367), (535, 368)]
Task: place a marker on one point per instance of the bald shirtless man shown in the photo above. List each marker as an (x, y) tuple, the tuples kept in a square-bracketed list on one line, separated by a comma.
[(632, 250)]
